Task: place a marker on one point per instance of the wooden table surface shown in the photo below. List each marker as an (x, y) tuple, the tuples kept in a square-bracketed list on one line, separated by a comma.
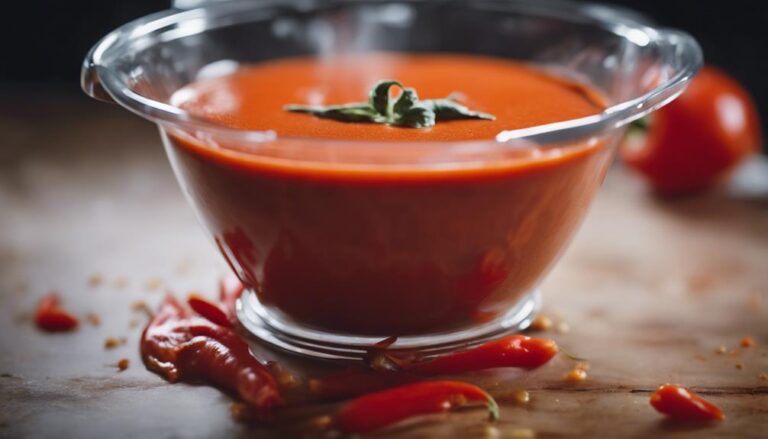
[(89, 207)]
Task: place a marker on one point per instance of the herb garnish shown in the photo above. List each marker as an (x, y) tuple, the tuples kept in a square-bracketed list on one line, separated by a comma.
[(404, 111)]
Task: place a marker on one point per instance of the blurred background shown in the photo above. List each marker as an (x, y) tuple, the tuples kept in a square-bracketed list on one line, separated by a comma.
[(45, 41)]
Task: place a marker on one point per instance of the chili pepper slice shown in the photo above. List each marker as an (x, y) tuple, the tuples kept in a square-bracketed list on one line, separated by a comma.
[(378, 410), (209, 310), (512, 351), (51, 317), (180, 346), (684, 404)]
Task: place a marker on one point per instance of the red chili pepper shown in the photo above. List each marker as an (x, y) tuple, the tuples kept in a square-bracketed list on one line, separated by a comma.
[(209, 310), (180, 346), (511, 351), (51, 317), (683, 404), (378, 410)]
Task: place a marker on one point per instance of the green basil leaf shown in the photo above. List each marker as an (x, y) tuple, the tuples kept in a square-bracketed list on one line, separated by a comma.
[(357, 112), (378, 98), (448, 109), (408, 98), (407, 110), (418, 116)]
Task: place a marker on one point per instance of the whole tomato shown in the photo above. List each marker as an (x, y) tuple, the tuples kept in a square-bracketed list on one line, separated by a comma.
[(694, 140)]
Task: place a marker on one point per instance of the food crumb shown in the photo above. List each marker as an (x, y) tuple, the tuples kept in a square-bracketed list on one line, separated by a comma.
[(283, 376), (762, 376), (95, 280), (541, 323), (521, 433), (576, 375), (701, 282), (113, 342), (23, 317), (153, 284), (184, 266), (133, 323), (721, 350), (739, 365), (491, 432), (583, 365), (120, 282), (323, 422), (562, 328), (522, 396), (93, 319), (754, 300), (240, 412), (123, 364), (747, 342), (141, 306)]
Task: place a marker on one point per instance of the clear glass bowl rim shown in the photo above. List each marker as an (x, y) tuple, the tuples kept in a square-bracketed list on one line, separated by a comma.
[(100, 81)]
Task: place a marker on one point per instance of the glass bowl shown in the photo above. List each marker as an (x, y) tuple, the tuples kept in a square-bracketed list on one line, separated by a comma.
[(343, 243)]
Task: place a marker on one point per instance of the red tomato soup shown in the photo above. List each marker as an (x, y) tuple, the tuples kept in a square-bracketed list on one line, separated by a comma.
[(379, 249)]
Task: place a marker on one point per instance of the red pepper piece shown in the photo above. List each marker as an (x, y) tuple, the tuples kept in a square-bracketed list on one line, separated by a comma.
[(209, 310), (378, 410), (230, 289), (511, 351), (51, 317), (183, 347), (684, 404)]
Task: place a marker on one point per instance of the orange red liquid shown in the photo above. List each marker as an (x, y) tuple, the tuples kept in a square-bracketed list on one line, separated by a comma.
[(388, 250)]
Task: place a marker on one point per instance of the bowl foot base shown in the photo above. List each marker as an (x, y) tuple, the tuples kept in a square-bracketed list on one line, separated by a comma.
[(326, 345)]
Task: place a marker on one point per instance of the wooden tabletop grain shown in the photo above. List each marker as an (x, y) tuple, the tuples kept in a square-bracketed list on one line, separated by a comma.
[(648, 292)]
